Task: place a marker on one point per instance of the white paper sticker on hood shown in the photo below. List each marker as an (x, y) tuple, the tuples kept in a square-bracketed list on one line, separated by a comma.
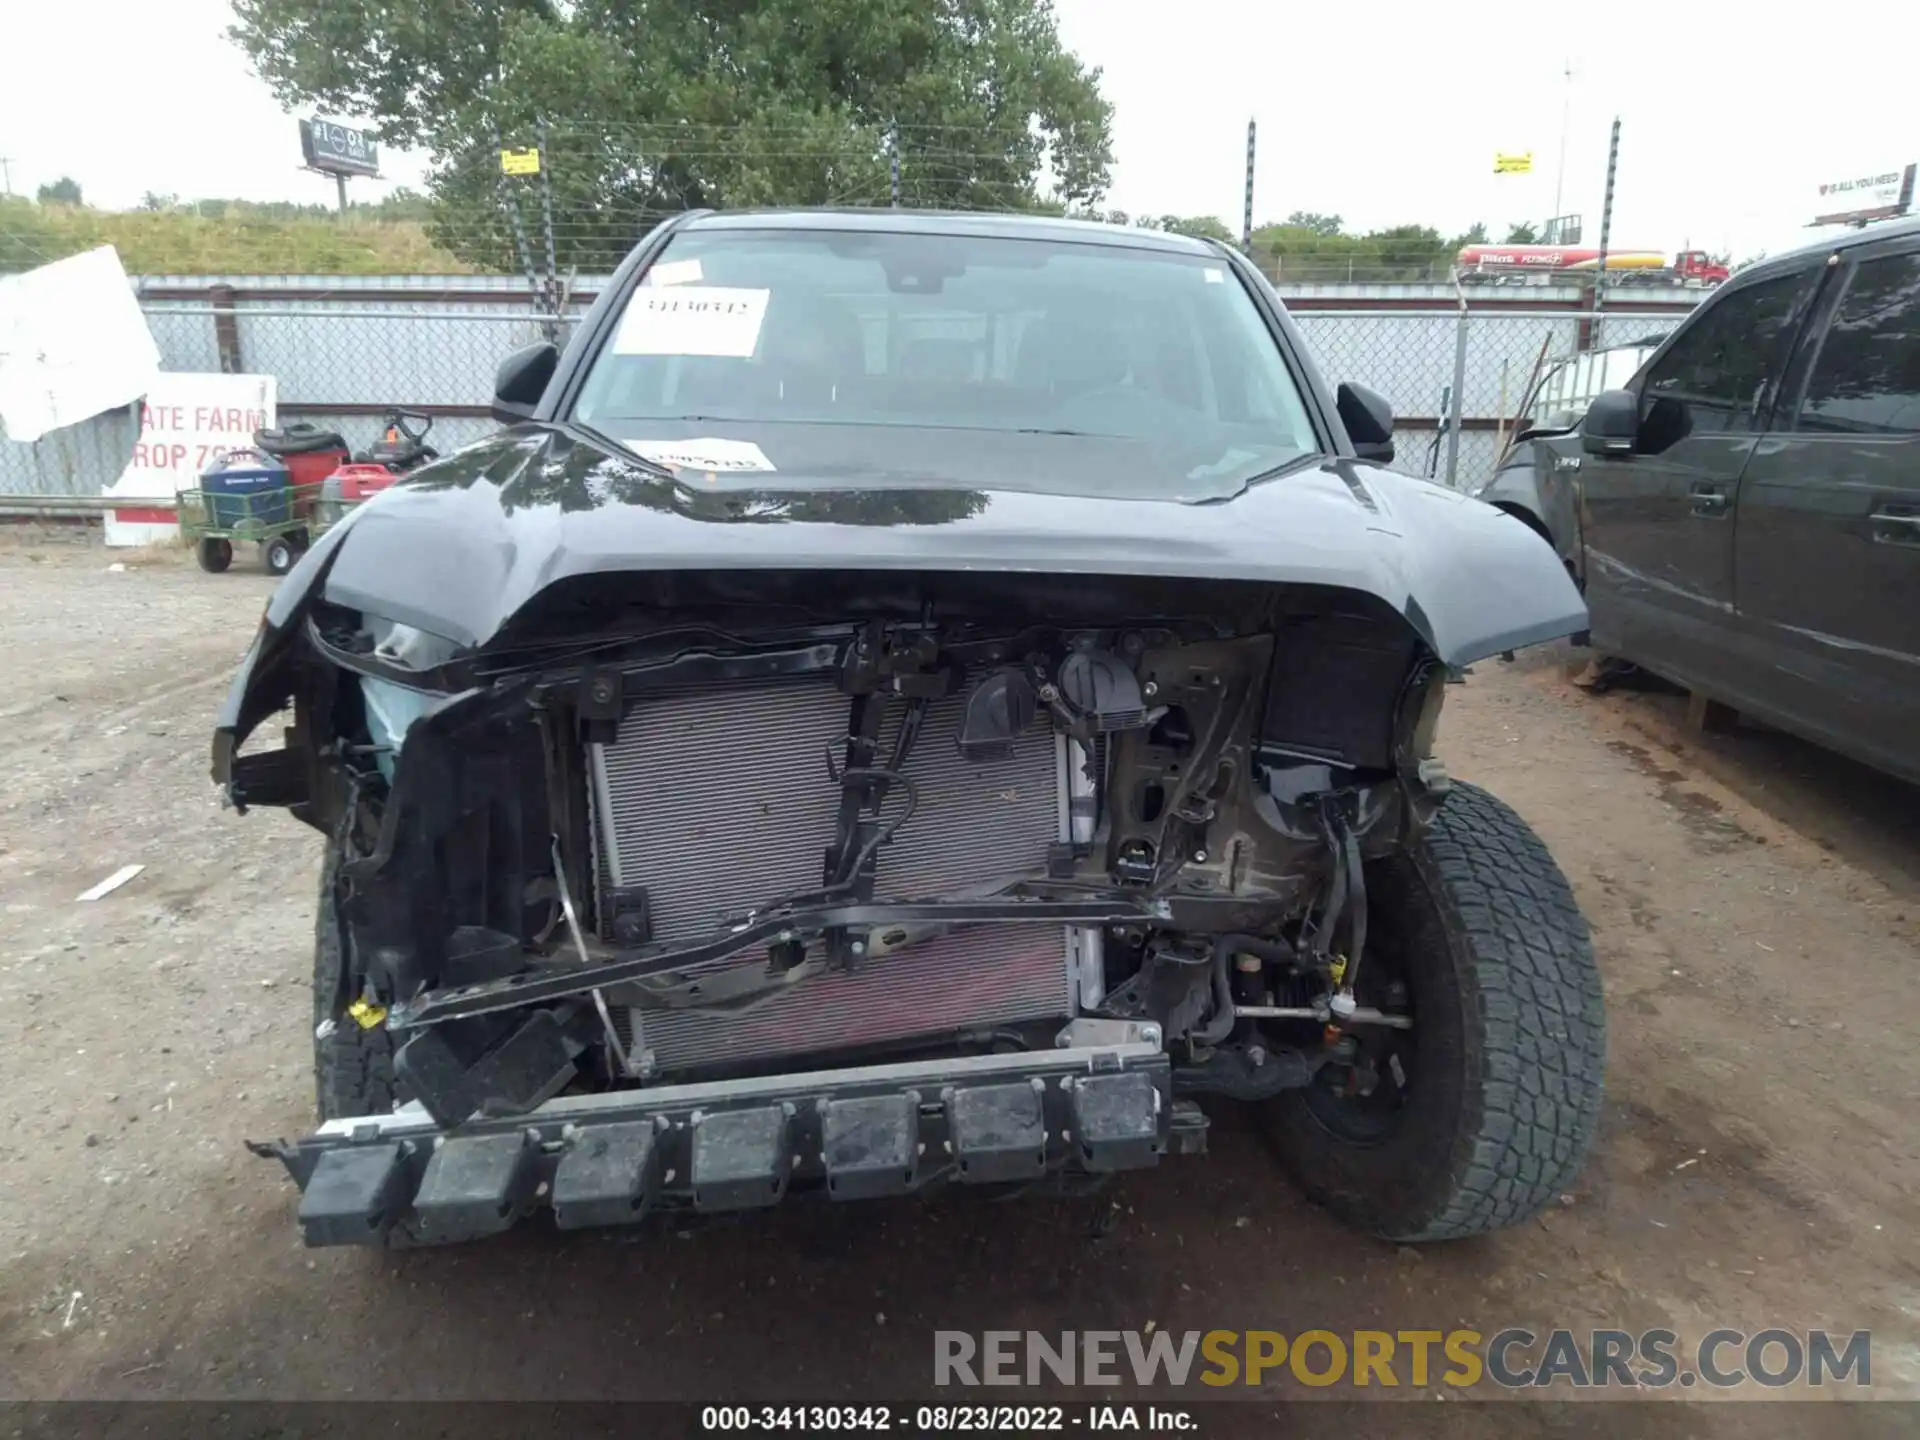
[(691, 320), (712, 455)]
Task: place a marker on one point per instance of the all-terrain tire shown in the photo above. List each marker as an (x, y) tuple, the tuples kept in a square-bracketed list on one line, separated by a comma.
[(352, 1067), (1509, 1038)]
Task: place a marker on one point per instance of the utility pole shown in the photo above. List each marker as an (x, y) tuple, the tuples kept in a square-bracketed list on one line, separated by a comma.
[(893, 163), (6, 175), (1246, 217), (1560, 171), (1606, 232)]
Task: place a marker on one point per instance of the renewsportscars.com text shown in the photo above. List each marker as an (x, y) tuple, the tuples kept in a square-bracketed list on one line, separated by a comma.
[(1513, 1358)]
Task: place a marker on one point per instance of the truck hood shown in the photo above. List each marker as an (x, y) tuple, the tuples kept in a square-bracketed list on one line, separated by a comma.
[(460, 546)]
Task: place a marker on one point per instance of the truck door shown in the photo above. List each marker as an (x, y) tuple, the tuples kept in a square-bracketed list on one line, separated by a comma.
[(1827, 549), (1657, 525)]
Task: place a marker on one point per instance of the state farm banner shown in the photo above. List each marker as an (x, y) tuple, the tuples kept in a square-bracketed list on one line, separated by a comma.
[(186, 421)]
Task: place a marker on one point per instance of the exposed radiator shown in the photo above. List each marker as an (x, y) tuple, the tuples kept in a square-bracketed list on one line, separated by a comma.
[(719, 800)]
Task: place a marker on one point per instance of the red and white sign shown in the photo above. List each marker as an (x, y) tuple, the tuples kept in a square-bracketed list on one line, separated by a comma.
[(186, 422)]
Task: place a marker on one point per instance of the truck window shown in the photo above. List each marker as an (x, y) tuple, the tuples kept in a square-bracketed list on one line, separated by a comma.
[(1867, 378), (1724, 364)]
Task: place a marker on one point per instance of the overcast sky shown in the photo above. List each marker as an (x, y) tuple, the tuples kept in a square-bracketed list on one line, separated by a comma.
[(1383, 113)]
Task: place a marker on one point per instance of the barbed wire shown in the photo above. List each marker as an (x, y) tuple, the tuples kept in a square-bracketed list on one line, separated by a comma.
[(607, 183)]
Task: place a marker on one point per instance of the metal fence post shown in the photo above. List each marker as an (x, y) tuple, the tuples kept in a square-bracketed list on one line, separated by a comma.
[(226, 329), (546, 222), (1455, 419)]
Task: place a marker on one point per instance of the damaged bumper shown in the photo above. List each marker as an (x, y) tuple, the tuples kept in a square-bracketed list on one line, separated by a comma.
[(1102, 1102)]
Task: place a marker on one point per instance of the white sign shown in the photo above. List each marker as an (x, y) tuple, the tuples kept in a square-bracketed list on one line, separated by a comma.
[(675, 272), (1878, 195), (73, 344), (185, 424), (711, 454), (692, 320)]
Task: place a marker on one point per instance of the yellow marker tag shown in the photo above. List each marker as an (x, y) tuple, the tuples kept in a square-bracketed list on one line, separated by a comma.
[(520, 162), (1338, 969), (366, 1015)]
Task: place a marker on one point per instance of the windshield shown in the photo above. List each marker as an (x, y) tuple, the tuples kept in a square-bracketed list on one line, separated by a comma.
[(856, 337)]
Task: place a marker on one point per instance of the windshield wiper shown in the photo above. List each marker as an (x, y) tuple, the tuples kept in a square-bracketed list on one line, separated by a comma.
[(1260, 478), (615, 447)]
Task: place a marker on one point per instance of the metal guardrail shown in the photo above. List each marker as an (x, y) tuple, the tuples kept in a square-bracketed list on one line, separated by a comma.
[(250, 311), (65, 504)]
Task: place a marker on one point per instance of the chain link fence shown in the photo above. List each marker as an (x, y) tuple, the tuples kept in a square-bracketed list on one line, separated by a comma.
[(344, 351), (1460, 380)]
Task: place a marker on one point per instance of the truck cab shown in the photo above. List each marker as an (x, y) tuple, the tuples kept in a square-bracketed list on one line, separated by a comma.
[(1697, 267)]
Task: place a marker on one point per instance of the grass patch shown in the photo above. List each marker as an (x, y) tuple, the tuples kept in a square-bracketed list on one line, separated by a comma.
[(177, 242)]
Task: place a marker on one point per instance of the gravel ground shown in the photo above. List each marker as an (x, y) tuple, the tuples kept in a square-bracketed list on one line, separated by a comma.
[(1756, 905)]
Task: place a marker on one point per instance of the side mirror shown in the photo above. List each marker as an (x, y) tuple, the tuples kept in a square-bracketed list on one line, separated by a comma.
[(1612, 424), (1369, 421), (521, 380)]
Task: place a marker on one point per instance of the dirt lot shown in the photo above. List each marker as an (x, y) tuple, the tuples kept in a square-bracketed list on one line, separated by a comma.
[(1756, 906)]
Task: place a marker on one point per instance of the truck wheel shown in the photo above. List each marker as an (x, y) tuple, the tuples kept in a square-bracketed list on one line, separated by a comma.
[(1484, 1110), (352, 1067), (280, 555), (214, 555)]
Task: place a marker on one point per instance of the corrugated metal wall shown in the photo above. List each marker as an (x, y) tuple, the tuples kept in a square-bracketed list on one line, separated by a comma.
[(344, 348)]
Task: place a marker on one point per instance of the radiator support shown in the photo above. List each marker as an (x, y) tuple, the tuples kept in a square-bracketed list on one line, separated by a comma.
[(716, 801)]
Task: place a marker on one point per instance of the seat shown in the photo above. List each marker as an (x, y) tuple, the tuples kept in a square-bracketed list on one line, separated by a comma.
[(1062, 356)]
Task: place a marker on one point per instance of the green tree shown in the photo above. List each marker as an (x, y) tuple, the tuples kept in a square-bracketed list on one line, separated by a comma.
[(652, 106), (1317, 223), (64, 191), (1207, 227), (1309, 247), (1523, 233)]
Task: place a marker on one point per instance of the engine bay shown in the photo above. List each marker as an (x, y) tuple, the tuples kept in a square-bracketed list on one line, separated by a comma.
[(716, 831)]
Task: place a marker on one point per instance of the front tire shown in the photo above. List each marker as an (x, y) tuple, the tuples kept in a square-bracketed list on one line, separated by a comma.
[(352, 1066), (214, 555), (1492, 1109), (280, 555)]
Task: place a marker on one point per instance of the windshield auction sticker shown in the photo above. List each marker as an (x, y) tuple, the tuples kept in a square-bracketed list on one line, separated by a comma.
[(674, 272), (692, 320), (713, 455)]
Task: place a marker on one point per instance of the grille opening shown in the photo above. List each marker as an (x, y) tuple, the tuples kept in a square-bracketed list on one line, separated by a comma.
[(1172, 731)]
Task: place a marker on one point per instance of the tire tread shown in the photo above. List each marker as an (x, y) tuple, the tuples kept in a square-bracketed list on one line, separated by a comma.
[(1533, 1115)]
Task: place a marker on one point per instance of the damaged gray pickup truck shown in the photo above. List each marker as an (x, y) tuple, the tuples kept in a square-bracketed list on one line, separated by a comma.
[(908, 701)]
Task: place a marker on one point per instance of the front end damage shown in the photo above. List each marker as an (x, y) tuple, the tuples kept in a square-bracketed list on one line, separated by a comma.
[(698, 888)]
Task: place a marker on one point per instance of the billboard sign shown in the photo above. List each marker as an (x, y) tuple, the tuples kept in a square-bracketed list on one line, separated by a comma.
[(1878, 195), (337, 149)]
